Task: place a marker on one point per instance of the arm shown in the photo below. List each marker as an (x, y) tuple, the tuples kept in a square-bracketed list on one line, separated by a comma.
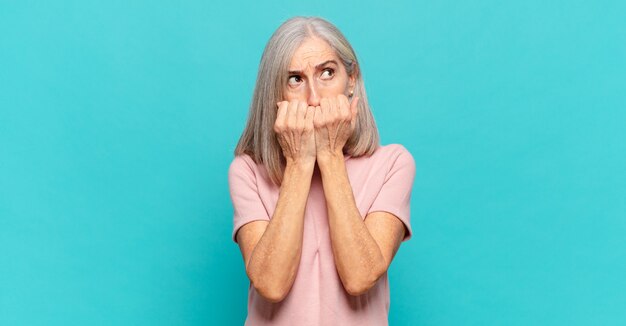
[(363, 250), (271, 250)]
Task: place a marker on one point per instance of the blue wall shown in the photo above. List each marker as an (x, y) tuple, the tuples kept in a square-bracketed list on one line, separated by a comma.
[(118, 120)]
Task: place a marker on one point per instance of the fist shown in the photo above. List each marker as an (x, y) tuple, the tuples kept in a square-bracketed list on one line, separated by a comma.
[(295, 131), (334, 123)]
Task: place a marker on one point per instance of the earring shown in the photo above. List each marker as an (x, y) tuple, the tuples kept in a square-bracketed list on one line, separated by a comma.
[(351, 93)]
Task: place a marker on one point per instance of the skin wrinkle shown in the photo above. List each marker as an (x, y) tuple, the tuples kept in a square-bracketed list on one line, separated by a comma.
[(307, 57), (359, 245)]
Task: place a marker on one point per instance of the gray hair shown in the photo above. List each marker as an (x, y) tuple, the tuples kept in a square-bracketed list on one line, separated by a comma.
[(259, 139)]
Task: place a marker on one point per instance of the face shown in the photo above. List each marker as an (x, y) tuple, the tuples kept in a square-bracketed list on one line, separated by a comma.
[(315, 72)]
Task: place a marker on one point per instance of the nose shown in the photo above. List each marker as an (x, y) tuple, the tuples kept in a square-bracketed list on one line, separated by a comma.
[(313, 98)]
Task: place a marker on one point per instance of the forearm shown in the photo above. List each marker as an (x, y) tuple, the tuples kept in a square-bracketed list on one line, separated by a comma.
[(273, 264), (358, 258)]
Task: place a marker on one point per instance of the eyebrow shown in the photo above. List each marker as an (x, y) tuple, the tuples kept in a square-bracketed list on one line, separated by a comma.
[(299, 72)]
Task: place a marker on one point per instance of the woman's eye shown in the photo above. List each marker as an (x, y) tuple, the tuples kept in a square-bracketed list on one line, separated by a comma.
[(294, 80), (327, 73)]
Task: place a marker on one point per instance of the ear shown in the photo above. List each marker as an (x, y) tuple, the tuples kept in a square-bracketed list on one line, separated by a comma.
[(352, 77)]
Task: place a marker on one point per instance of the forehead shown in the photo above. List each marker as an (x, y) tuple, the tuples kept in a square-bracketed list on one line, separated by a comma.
[(311, 52)]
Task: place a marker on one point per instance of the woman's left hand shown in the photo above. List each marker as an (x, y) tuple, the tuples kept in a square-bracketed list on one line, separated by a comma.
[(334, 123)]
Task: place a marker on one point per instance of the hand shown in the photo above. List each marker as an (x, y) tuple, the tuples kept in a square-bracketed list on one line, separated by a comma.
[(294, 130), (334, 123)]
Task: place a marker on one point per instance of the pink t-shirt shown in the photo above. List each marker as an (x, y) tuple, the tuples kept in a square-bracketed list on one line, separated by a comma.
[(381, 182)]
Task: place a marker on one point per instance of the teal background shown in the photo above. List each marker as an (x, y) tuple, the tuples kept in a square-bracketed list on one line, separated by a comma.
[(118, 120)]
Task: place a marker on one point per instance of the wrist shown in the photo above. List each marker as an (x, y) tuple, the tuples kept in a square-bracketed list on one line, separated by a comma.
[(329, 158), (300, 164)]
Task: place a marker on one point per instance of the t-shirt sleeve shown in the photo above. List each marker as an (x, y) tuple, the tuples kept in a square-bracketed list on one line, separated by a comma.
[(395, 195), (244, 194)]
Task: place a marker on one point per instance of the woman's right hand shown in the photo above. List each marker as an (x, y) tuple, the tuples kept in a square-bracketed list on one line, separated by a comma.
[(295, 131)]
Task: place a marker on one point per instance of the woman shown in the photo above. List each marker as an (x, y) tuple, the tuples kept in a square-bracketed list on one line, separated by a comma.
[(320, 209)]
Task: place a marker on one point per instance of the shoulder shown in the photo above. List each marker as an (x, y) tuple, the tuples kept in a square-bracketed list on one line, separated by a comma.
[(396, 162), (386, 160), (392, 149), (241, 162), (243, 166), (394, 154)]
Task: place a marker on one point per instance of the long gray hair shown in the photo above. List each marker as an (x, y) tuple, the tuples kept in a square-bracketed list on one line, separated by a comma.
[(259, 139)]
